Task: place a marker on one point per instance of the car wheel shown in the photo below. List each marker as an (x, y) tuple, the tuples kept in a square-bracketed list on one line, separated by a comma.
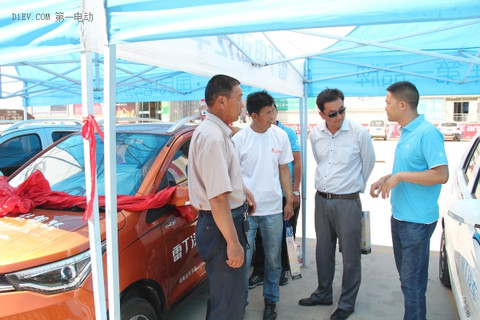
[(137, 309), (457, 137), (443, 263)]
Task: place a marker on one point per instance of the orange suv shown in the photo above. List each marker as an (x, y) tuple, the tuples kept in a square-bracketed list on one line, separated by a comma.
[(45, 270)]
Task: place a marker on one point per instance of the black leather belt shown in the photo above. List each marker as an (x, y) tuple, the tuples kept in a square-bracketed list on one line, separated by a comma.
[(338, 196), (236, 212)]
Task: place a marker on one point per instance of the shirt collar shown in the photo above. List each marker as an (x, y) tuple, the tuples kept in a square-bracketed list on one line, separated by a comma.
[(219, 123), (414, 123), (343, 127)]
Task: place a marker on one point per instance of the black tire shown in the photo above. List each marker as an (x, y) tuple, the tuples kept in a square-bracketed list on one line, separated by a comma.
[(137, 309), (443, 272)]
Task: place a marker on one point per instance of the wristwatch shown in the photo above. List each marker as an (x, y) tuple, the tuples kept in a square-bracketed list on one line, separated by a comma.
[(296, 193)]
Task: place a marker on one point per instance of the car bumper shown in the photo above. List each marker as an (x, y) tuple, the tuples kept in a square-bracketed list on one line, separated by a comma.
[(76, 304), (451, 136), (378, 135)]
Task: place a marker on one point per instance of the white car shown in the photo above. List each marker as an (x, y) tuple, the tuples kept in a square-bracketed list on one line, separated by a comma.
[(451, 130), (459, 265), (377, 129)]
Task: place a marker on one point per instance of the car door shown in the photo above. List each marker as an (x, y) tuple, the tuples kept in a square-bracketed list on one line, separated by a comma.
[(464, 255), (462, 234), (184, 266), (471, 170)]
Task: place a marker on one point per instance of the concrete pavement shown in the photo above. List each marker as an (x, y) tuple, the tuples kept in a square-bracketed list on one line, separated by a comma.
[(380, 296)]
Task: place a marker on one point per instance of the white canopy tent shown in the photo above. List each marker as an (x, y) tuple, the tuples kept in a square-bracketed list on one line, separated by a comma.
[(60, 46)]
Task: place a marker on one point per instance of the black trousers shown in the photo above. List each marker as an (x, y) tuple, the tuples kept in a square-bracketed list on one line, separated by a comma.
[(227, 285)]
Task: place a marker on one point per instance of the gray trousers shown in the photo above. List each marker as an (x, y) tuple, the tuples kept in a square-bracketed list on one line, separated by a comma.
[(338, 218)]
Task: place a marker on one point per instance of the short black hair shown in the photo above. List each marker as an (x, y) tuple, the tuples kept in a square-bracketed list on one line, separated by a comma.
[(258, 100), (328, 95), (219, 85), (405, 91)]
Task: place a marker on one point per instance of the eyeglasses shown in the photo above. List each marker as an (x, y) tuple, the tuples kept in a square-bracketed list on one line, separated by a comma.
[(336, 113)]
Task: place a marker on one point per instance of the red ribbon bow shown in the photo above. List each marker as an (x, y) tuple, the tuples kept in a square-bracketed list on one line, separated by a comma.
[(88, 132)]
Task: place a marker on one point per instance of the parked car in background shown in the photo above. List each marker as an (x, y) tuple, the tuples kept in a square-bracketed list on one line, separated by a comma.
[(378, 129), (20, 141), (45, 270), (459, 265), (451, 130), (4, 124)]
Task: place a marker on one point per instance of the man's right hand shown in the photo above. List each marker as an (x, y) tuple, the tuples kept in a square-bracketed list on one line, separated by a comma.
[(235, 254), (222, 215)]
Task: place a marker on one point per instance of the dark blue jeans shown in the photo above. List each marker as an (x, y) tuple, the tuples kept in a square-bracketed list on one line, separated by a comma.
[(227, 285), (411, 248)]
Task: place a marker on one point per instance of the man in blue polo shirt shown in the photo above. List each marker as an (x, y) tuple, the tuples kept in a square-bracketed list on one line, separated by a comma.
[(419, 169)]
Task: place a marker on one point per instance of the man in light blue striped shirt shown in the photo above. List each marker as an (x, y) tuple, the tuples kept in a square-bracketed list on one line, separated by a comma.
[(345, 158)]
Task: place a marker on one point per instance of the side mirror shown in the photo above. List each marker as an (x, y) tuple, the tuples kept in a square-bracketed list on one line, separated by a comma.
[(466, 211), (180, 197)]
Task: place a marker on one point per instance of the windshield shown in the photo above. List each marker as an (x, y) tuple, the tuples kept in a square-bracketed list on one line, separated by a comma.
[(63, 165), (449, 124)]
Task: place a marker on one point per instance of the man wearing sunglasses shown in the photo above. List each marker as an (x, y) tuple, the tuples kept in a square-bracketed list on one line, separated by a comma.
[(345, 158)]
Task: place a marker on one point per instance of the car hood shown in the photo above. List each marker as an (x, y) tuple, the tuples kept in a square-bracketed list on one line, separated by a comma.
[(43, 236)]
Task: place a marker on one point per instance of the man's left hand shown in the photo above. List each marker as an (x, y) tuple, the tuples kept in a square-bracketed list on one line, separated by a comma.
[(288, 211)]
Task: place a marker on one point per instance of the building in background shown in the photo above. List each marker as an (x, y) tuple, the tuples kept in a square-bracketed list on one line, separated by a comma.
[(462, 109)]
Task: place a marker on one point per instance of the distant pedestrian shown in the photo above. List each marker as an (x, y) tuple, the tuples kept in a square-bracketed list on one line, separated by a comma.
[(419, 169)]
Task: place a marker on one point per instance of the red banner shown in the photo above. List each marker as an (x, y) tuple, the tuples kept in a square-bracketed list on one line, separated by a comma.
[(470, 130)]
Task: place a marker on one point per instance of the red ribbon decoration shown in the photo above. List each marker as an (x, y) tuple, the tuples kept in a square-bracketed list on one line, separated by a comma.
[(88, 133), (35, 191)]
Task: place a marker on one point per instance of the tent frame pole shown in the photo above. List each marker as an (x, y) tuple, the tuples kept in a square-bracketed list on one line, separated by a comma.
[(94, 222), (111, 218), (303, 152)]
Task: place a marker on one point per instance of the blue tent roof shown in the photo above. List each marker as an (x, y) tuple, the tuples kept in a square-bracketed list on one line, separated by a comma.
[(268, 44), (167, 50), (441, 58)]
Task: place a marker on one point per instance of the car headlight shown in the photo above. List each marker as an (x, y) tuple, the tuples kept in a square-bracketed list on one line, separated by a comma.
[(64, 275)]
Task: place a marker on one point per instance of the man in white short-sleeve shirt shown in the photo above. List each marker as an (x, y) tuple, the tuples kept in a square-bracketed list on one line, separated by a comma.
[(264, 151)]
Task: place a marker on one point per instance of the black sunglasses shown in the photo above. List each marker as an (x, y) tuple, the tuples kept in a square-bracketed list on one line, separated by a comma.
[(336, 113)]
